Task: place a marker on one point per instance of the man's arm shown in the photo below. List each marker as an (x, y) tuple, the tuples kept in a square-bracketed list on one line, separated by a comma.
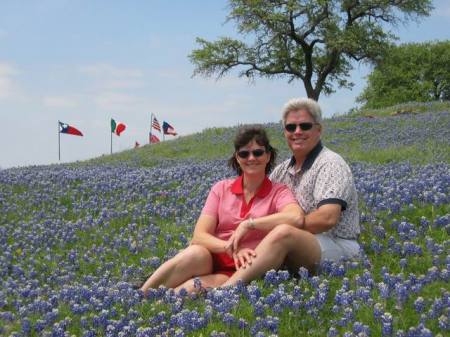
[(323, 218), (332, 190)]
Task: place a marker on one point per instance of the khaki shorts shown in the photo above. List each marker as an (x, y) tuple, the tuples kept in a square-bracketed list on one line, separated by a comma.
[(334, 248)]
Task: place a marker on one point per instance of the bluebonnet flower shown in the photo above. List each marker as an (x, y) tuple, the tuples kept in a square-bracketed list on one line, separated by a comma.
[(419, 304), (258, 308), (400, 333), (402, 294), (384, 290), (271, 323), (242, 323), (444, 323), (197, 283), (379, 232), (229, 319), (376, 246), (273, 277), (332, 332), (363, 293), (386, 324), (377, 311), (155, 262), (303, 273), (89, 333), (403, 263)]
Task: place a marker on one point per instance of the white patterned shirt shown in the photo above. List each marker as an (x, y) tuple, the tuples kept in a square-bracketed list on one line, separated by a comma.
[(324, 178)]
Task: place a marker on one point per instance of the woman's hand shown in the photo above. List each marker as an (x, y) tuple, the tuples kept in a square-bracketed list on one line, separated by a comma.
[(244, 258), (236, 237)]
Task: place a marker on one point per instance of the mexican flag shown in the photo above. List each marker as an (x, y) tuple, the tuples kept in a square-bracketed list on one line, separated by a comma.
[(117, 128)]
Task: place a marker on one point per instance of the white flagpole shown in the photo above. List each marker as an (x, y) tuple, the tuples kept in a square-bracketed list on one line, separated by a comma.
[(151, 127), (59, 142)]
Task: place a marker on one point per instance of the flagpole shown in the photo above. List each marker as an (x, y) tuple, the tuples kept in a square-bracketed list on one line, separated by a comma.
[(111, 141), (59, 142), (151, 127)]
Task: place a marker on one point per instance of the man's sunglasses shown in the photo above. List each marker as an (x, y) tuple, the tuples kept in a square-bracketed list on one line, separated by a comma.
[(245, 153), (291, 127)]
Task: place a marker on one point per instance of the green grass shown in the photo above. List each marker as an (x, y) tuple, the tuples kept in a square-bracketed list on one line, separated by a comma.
[(404, 108), (345, 134)]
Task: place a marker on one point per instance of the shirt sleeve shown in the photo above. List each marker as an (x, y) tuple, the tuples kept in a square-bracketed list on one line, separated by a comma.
[(211, 206), (333, 184), (284, 197)]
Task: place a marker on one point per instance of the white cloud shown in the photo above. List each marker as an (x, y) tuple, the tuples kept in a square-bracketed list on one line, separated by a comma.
[(7, 69), (60, 101), (116, 101), (109, 82), (7, 85), (123, 84), (103, 70)]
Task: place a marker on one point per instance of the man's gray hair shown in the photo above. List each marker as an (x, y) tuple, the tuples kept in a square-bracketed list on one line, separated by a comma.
[(303, 103)]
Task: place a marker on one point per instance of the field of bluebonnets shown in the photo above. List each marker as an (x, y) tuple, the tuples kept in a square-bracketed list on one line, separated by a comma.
[(73, 239)]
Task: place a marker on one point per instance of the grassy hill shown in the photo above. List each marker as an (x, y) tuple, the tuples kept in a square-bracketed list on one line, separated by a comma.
[(396, 133), (74, 237)]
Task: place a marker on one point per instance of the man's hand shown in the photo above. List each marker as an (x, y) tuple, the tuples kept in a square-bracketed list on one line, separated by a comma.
[(244, 258)]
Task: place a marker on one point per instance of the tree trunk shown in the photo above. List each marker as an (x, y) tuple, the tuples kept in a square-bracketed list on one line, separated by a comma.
[(310, 92)]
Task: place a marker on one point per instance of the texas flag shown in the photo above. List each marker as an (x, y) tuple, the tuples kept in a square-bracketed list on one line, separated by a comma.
[(70, 130)]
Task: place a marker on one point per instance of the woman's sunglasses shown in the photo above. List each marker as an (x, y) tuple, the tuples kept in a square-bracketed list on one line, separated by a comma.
[(291, 127), (245, 153)]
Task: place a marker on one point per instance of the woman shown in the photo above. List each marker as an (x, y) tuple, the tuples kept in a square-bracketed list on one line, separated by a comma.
[(240, 210)]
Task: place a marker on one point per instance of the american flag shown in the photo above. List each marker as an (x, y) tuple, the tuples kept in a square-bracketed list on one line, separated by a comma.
[(168, 129), (155, 124)]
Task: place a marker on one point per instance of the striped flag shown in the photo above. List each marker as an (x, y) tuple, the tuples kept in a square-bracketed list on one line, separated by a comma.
[(154, 139), (155, 124), (168, 129)]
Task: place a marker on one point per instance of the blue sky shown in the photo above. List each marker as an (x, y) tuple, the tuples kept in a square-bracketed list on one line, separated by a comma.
[(86, 61)]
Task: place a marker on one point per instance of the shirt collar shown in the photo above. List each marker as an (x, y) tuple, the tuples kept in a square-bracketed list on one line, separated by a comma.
[(265, 188), (310, 158)]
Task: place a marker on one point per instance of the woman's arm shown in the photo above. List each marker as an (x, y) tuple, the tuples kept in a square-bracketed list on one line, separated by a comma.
[(204, 235), (290, 214)]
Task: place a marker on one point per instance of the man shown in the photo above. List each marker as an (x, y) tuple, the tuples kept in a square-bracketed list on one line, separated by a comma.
[(323, 185)]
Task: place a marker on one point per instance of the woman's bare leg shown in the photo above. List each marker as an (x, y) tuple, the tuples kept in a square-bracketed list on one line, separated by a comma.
[(286, 244), (207, 281), (193, 261)]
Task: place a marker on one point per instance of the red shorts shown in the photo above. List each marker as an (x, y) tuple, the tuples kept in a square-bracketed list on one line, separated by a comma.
[(223, 264)]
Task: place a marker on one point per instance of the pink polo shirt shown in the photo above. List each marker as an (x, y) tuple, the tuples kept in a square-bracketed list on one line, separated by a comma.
[(227, 204)]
